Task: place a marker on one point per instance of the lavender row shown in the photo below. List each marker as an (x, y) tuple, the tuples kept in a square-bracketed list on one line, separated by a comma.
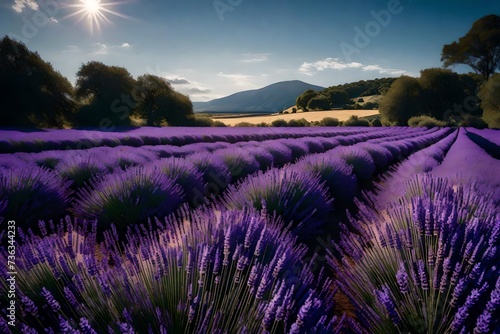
[(467, 162), (390, 186), (492, 148), (70, 139), (95, 190), (427, 264), (302, 194), (206, 271), (492, 135), (125, 156)]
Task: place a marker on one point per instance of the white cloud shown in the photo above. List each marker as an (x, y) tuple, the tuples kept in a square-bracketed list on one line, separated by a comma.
[(241, 80), (336, 64), (71, 49), (20, 5), (105, 49), (255, 57), (178, 80)]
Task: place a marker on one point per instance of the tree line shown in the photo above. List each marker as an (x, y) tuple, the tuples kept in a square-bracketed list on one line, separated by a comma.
[(439, 96), (34, 94)]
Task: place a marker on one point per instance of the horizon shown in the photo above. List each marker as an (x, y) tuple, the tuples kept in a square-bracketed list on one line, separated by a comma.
[(214, 49)]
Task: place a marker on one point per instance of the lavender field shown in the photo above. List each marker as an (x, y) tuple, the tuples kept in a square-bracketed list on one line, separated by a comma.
[(250, 230)]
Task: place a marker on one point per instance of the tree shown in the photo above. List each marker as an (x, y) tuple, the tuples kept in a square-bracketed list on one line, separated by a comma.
[(32, 93), (338, 97), (479, 48), (441, 90), (319, 102), (157, 101), (490, 101), (304, 98), (402, 101), (106, 95)]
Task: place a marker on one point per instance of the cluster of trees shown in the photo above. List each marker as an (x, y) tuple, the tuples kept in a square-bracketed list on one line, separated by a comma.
[(344, 96), (36, 95), (447, 97)]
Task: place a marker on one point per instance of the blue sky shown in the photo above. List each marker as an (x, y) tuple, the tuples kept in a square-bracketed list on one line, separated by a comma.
[(213, 48)]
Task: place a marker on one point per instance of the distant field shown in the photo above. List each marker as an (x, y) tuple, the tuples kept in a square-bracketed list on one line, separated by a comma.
[(310, 116)]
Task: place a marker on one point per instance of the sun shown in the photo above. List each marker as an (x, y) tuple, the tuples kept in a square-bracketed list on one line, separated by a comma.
[(95, 12), (92, 6)]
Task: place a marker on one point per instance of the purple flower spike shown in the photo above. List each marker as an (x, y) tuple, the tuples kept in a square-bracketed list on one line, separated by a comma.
[(50, 300), (402, 278)]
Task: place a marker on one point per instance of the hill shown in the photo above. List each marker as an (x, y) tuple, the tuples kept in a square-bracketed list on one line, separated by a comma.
[(272, 98)]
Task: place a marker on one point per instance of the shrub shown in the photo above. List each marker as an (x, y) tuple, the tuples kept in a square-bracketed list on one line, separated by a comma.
[(262, 155), (80, 169), (128, 197), (473, 122), (33, 193), (185, 174), (335, 172), (361, 161), (425, 121), (216, 174), (47, 159), (239, 163), (279, 123), (296, 197), (376, 122), (281, 153), (429, 265), (219, 271), (244, 124), (218, 124), (381, 156), (298, 122), (356, 121), (329, 121)]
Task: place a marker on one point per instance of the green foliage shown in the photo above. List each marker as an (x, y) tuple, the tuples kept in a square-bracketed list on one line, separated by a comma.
[(279, 123), (479, 48), (298, 122), (329, 121), (473, 122), (425, 121), (338, 97), (158, 102), (356, 121), (304, 99), (402, 101), (490, 101), (319, 102), (244, 125), (106, 95), (33, 94), (442, 89), (199, 121)]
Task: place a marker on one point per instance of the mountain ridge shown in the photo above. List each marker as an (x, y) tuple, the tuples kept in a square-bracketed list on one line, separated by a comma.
[(272, 98)]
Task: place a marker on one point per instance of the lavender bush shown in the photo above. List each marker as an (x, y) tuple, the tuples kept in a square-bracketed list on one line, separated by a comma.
[(185, 174), (296, 196), (32, 193), (238, 161), (359, 159), (207, 271), (427, 265), (335, 172), (80, 168), (128, 197)]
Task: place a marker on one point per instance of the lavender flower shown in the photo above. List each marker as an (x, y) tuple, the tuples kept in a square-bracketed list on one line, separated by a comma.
[(50, 300), (402, 279)]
